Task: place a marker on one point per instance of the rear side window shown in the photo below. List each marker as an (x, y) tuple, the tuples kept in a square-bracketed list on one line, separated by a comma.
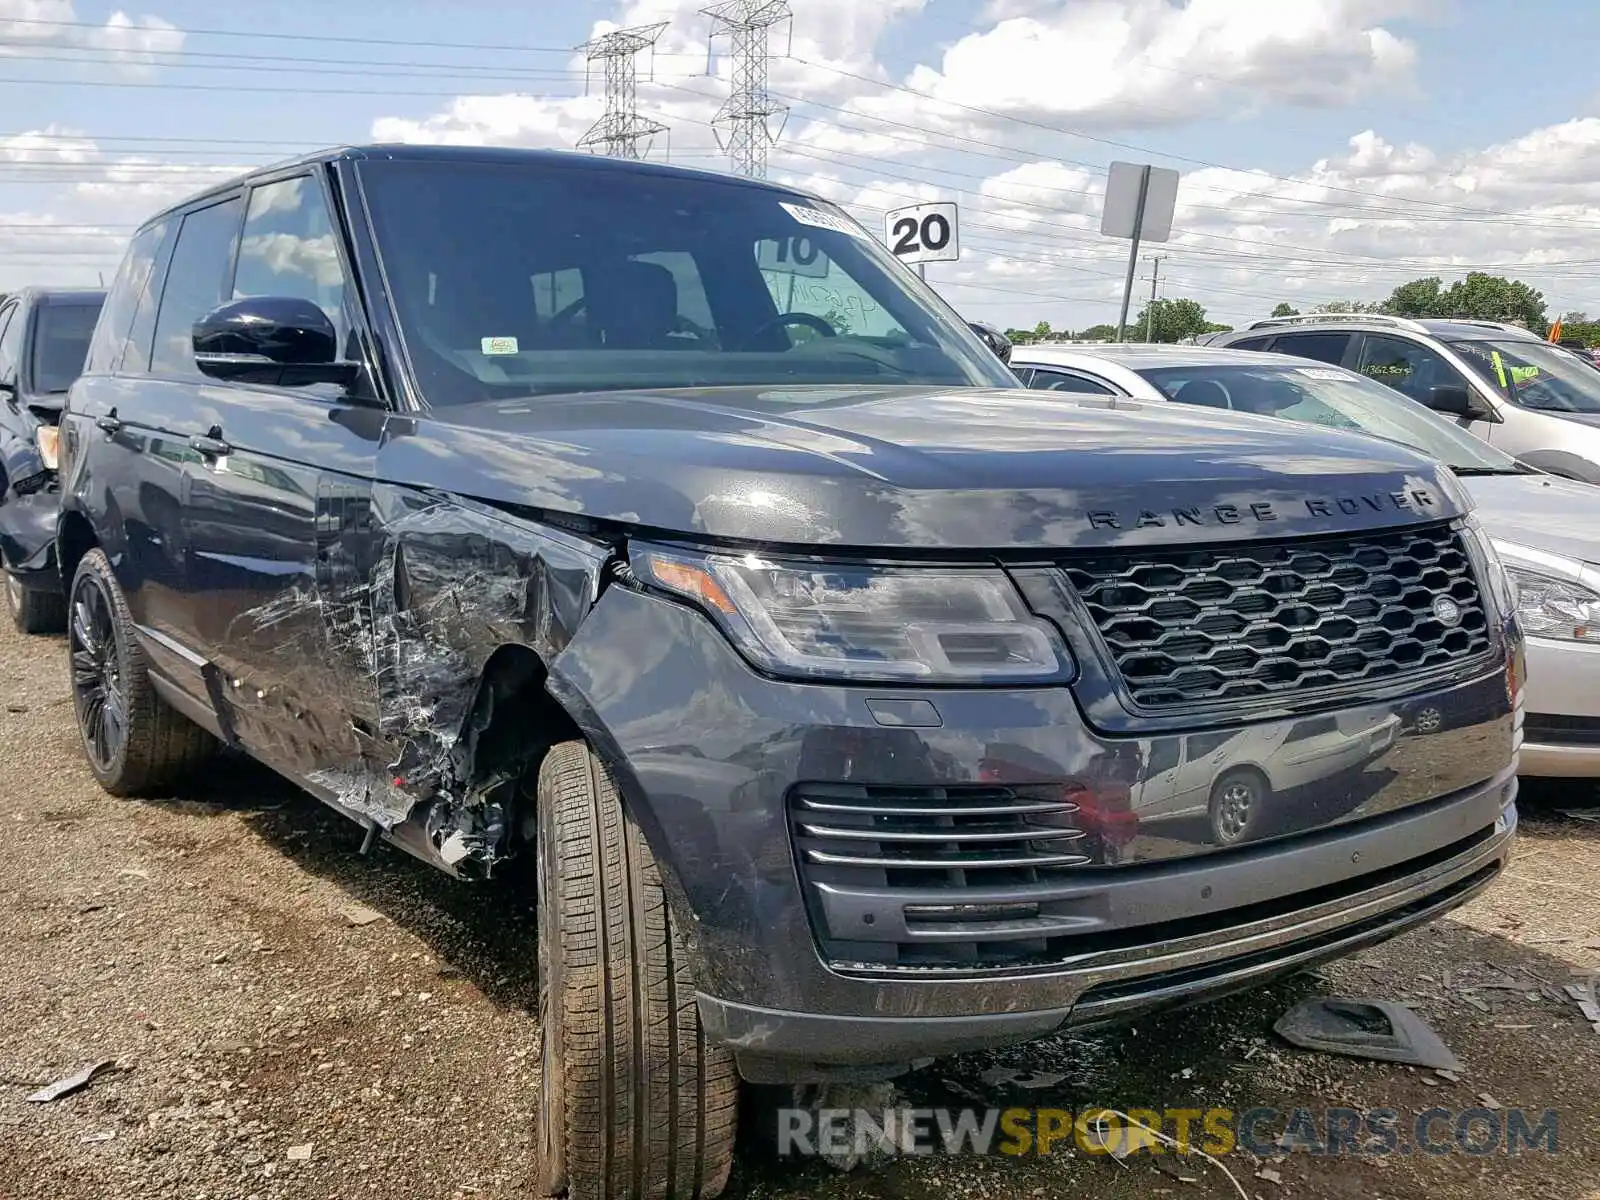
[(201, 262), (1059, 381), (1252, 343), (8, 315), (60, 345), (129, 294), (10, 344), (1324, 347)]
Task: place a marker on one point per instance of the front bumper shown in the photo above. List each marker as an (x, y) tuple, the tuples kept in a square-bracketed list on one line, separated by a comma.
[(28, 537), (1563, 684), (1109, 987), (708, 754)]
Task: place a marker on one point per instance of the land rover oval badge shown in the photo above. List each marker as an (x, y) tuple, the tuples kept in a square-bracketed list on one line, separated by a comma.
[(1446, 611)]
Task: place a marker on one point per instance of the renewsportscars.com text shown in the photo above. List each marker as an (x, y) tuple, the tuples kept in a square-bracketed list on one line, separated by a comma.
[(1215, 1131)]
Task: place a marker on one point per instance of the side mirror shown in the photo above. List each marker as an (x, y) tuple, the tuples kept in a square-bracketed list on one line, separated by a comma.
[(993, 338), (1457, 401), (276, 340)]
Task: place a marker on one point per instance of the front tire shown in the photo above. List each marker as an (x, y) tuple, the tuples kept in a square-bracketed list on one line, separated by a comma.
[(136, 744), (34, 611), (634, 1103)]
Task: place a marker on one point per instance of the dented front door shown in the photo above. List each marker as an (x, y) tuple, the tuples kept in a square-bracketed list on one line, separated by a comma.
[(278, 581)]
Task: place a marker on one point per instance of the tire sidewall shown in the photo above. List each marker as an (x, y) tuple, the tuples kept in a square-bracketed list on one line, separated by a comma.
[(95, 571), (552, 1132)]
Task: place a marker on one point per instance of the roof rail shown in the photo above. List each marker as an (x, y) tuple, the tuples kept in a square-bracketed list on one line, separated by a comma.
[(1336, 317), (1505, 325)]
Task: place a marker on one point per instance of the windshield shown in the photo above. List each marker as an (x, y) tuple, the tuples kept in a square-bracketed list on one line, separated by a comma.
[(1534, 374), (1333, 397), (61, 344), (537, 278)]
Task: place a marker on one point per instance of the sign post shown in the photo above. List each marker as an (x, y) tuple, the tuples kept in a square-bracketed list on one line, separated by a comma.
[(1140, 200), (923, 233)]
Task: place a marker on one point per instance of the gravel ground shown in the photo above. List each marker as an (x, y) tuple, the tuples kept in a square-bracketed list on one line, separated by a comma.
[(291, 1020)]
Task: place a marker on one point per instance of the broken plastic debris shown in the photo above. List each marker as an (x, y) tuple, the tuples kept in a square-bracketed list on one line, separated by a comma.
[(1269, 1175), (72, 1083), (1587, 994), (299, 1153), (91, 1139), (1011, 1077), (1376, 1029)]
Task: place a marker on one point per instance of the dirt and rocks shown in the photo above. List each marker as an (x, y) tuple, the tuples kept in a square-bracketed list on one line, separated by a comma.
[(290, 1020)]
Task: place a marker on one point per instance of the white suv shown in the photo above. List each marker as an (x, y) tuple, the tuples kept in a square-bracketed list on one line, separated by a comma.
[(1534, 400)]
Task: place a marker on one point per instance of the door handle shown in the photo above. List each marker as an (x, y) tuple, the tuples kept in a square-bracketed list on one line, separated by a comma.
[(109, 423), (210, 447)]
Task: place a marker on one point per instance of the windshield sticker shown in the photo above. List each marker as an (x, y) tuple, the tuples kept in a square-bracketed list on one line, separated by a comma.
[(1319, 373), (500, 345), (796, 255), (818, 219)]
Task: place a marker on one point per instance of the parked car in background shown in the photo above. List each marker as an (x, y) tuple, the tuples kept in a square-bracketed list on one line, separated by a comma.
[(1547, 529), (1521, 394), (527, 509), (44, 336), (993, 338)]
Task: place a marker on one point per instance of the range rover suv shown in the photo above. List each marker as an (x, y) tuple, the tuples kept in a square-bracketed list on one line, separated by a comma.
[(661, 527)]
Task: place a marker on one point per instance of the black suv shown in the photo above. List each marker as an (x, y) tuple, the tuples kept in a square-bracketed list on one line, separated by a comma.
[(856, 704), (44, 336)]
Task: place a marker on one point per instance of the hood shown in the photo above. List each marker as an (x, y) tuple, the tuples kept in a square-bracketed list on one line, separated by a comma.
[(914, 468), (1543, 512)]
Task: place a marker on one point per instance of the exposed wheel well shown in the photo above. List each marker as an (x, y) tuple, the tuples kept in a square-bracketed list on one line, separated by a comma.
[(512, 725), (74, 538)]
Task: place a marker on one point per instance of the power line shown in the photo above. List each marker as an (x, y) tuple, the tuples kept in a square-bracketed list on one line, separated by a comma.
[(620, 130)]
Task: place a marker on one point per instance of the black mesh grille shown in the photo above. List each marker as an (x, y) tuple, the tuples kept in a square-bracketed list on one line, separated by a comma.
[(1194, 627)]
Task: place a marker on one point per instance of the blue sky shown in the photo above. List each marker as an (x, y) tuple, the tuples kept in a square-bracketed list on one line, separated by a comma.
[(1476, 135)]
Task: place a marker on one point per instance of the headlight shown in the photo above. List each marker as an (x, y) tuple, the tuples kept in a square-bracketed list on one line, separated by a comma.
[(887, 624), (48, 439), (1549, 607)]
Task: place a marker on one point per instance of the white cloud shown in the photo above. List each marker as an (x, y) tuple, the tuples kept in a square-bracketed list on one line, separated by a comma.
[(1127, 64), (133, 44)]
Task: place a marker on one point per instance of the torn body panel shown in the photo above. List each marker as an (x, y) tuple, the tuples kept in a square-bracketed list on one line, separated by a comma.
[(385, 645), (27, 534)]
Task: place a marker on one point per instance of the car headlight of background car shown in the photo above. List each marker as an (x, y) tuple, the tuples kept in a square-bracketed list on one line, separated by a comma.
[(861, 623), (1549, 606)]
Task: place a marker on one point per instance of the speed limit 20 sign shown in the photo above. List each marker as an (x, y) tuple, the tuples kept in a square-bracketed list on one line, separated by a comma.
[(923, 233)]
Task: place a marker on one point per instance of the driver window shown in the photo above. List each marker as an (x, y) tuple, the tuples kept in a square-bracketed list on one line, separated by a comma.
[(803, 281), (1408, 367), (288, 249)]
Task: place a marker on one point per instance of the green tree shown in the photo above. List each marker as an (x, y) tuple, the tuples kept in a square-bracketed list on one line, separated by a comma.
[(1285, 310), (1487, 297), (1169, 321), (1350, 306), (1419, 298)]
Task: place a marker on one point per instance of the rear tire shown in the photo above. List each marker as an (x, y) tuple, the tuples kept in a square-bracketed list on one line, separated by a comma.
[(136, 744), (35, 611), (635, 1104)]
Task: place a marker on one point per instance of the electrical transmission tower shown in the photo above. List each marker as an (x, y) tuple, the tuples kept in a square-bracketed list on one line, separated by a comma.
[(747, 114), (620, 131)]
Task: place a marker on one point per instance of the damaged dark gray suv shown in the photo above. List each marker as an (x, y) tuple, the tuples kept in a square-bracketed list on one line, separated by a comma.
[(856, 704)]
